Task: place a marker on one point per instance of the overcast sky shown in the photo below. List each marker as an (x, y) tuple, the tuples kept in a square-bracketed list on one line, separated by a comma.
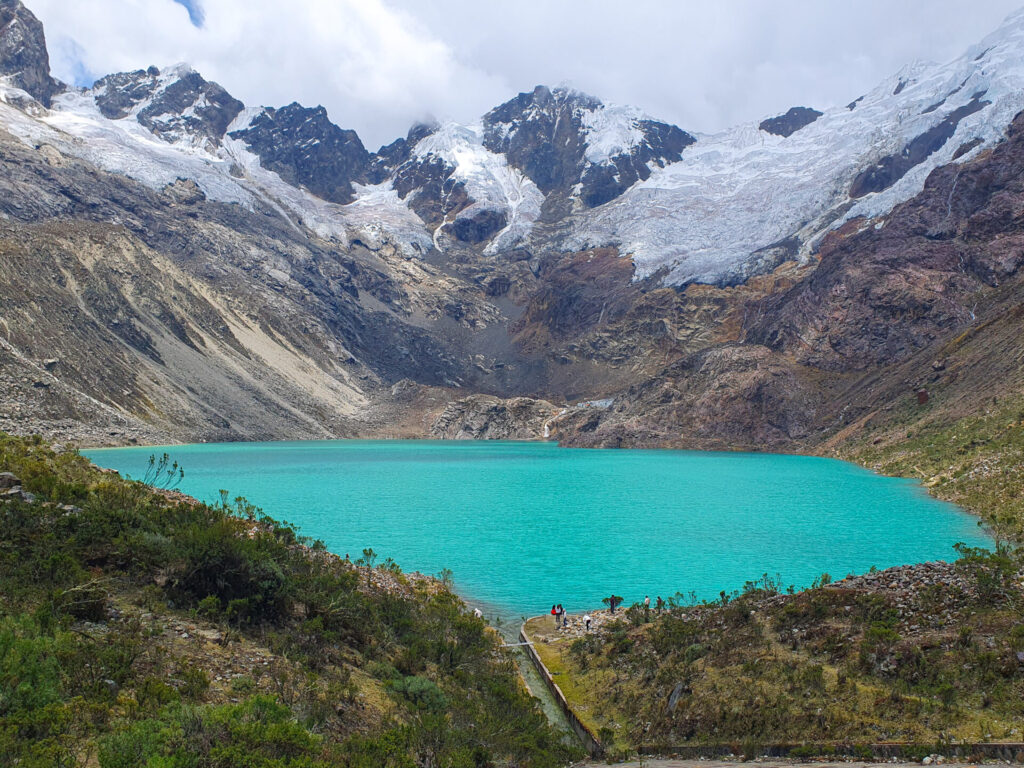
[(380, 65)]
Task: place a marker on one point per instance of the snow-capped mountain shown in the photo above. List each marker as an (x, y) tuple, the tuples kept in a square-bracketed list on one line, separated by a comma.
[(710, 208), (746, 198)]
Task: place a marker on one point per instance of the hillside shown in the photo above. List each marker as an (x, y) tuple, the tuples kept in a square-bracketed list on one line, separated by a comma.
[(923, 658), (141, 627)]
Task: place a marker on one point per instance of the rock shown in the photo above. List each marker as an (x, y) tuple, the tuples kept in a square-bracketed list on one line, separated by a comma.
[(404, 388), (185, 192), (306, 149), (477, 224), (175, 103), (9, 480), (544, 134), (23, 55), (484, 417), (791, 122)]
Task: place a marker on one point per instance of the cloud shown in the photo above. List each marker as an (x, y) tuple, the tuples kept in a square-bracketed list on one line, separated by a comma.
[(375, 68), (380, 65)]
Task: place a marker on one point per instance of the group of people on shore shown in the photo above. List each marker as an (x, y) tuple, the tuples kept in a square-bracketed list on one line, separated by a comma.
[(562, 619)]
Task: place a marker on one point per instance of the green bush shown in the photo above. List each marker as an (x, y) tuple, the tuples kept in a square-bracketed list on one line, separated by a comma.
[(420, 692)]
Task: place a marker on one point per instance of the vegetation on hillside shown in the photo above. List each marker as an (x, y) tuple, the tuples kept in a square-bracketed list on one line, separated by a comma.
[(141, 628), (974, 460), (923, 655)]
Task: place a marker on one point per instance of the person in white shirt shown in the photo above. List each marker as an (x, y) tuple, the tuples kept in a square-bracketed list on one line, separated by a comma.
[(586, 621)]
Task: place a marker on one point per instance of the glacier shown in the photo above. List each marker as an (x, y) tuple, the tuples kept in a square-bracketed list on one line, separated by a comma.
[(708, 217)]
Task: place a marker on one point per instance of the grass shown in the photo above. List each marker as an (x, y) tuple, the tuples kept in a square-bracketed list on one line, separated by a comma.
[(975, 461), (585, 694)]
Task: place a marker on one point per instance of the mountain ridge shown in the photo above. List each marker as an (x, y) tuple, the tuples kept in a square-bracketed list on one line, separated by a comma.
[(257, 273)]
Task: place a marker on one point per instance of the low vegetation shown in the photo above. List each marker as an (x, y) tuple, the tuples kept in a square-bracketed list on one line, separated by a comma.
[(140, 628), (922, 655), (974, 460)]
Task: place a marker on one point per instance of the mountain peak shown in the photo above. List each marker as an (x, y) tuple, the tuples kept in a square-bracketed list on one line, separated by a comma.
[(175, 103), (24, 60), (306, 149), (567, 140)]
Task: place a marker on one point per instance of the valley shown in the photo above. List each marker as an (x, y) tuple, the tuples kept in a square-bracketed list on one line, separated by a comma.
[(253, 285), (249, 273)]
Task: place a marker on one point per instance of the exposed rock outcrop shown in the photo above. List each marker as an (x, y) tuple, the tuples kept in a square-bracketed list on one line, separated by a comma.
[(555, 137), (484, 417), (731, 397), (176, 104), (791, 122), (23, 55), (306, 149)]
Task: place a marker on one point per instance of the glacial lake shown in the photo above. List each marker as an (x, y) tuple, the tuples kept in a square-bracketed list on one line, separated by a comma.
[(525, 525)]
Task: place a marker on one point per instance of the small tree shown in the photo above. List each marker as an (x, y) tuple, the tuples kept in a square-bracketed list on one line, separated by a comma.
[(161, 473), (368, 558), (612, 601)]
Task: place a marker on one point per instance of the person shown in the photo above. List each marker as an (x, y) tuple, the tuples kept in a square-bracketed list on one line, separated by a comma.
[(586, 621), (560, 618), (478, 613), (660, 605), (554, 612), (647, 607)]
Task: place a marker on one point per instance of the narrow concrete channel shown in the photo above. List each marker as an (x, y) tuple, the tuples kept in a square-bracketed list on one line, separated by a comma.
[(543, 695), (509, 631)]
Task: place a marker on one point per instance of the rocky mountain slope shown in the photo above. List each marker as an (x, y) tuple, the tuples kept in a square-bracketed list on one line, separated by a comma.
[(177, 265)]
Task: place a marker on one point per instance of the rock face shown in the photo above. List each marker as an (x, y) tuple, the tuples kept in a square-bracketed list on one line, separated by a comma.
[(23, 55), (892, 168), (261, 275), (881, 294), (306, 149), (176, 104), (791, 122), (733, 396), (484, 417), (562, 138)]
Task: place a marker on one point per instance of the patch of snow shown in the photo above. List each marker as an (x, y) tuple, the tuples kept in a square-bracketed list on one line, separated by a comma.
[(610, 131), (488, 178)]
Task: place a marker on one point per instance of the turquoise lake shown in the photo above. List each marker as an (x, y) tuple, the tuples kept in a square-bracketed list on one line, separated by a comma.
[(525, 525)]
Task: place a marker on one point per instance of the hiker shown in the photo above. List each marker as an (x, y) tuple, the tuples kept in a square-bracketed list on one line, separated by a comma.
[(647, 608), (478, 613), (554, 612), (586, 621), (560, 616), (660, 605)]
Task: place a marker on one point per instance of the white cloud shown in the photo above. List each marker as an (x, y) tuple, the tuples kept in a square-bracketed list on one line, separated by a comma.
[(374, 67), (380, 65)]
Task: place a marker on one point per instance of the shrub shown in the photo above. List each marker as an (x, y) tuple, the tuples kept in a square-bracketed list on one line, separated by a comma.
[(420, 692)]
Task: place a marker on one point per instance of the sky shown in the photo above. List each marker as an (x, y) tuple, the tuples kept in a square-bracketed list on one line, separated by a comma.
[(379, 66)]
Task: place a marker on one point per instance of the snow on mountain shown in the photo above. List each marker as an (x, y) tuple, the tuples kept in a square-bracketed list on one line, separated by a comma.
[(488, 178), (716, 209), (742, 191), (225, 171), (611, 131)]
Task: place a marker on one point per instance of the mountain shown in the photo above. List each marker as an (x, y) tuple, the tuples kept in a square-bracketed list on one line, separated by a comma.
[(256, 272)]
